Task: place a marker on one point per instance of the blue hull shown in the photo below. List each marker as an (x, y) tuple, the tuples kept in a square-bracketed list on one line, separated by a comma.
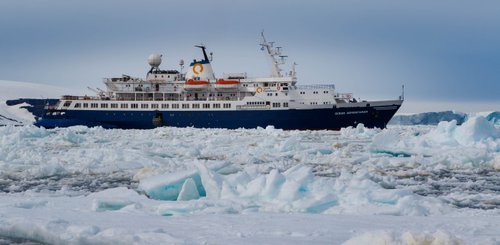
[(315, 119)]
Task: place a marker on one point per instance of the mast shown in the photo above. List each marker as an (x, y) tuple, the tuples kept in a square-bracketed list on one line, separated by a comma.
[(204, 51), (274, 55)]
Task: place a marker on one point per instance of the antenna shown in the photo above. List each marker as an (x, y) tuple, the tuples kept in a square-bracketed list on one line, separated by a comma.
[(293, 73), (274, 55), (402, 97), (181, 64)]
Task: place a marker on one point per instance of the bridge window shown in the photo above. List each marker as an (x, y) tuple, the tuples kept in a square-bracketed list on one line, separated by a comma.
[(67, 103)]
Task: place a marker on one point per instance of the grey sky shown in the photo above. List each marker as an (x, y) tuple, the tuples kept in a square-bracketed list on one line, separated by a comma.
[(444, 51)]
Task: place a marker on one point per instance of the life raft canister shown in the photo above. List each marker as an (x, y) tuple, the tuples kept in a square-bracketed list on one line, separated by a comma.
[(258, 90)]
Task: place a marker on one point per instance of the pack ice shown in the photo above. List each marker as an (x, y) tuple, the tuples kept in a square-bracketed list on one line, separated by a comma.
[(401, 185)]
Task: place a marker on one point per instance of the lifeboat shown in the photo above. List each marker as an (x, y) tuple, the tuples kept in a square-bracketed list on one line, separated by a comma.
[(196, 85), (222, 84)]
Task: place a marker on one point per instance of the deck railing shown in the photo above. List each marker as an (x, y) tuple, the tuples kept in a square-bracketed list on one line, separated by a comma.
[(316, 86)]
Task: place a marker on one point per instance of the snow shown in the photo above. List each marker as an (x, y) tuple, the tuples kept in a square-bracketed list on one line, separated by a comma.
[(428, 118), (423, 184), (15, 115)]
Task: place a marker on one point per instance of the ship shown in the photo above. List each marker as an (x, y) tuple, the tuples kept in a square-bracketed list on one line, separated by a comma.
[(197, 98)]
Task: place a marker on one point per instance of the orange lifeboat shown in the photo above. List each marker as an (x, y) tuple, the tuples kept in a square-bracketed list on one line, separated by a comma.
[(227, 84), (195, 85)]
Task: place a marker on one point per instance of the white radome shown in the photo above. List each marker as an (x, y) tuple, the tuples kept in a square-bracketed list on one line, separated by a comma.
[(154, 60)]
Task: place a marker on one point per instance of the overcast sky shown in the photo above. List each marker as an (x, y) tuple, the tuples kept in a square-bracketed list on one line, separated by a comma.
[(446, 53)]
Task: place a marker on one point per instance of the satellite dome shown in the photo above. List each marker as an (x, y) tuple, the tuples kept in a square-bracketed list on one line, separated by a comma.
[(154, 60)]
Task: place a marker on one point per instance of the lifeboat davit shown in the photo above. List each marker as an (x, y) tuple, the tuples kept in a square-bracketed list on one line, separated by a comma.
[(196, 85), (227, 84)]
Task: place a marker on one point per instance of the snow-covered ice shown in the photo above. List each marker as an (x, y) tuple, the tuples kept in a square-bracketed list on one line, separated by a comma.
[(401, 185), (15, 115)]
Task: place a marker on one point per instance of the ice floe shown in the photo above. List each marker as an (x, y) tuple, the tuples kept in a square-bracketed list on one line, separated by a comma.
[(422, 184)]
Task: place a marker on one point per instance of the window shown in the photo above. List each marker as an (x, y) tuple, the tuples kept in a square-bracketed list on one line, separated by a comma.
[(78, 105), (104, 105), (134, 106), (216, 106), (114, 105), (196, 106), (276, 104), (144, 106), (185, 106), (227, 105), (124, 106), (85, 105), (175, 106), (94, 105), (67, 103), (164, 106), (285, 104), (206, 106)]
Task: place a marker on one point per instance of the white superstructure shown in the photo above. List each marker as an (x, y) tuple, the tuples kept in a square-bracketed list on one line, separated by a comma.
[(199, 88)]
